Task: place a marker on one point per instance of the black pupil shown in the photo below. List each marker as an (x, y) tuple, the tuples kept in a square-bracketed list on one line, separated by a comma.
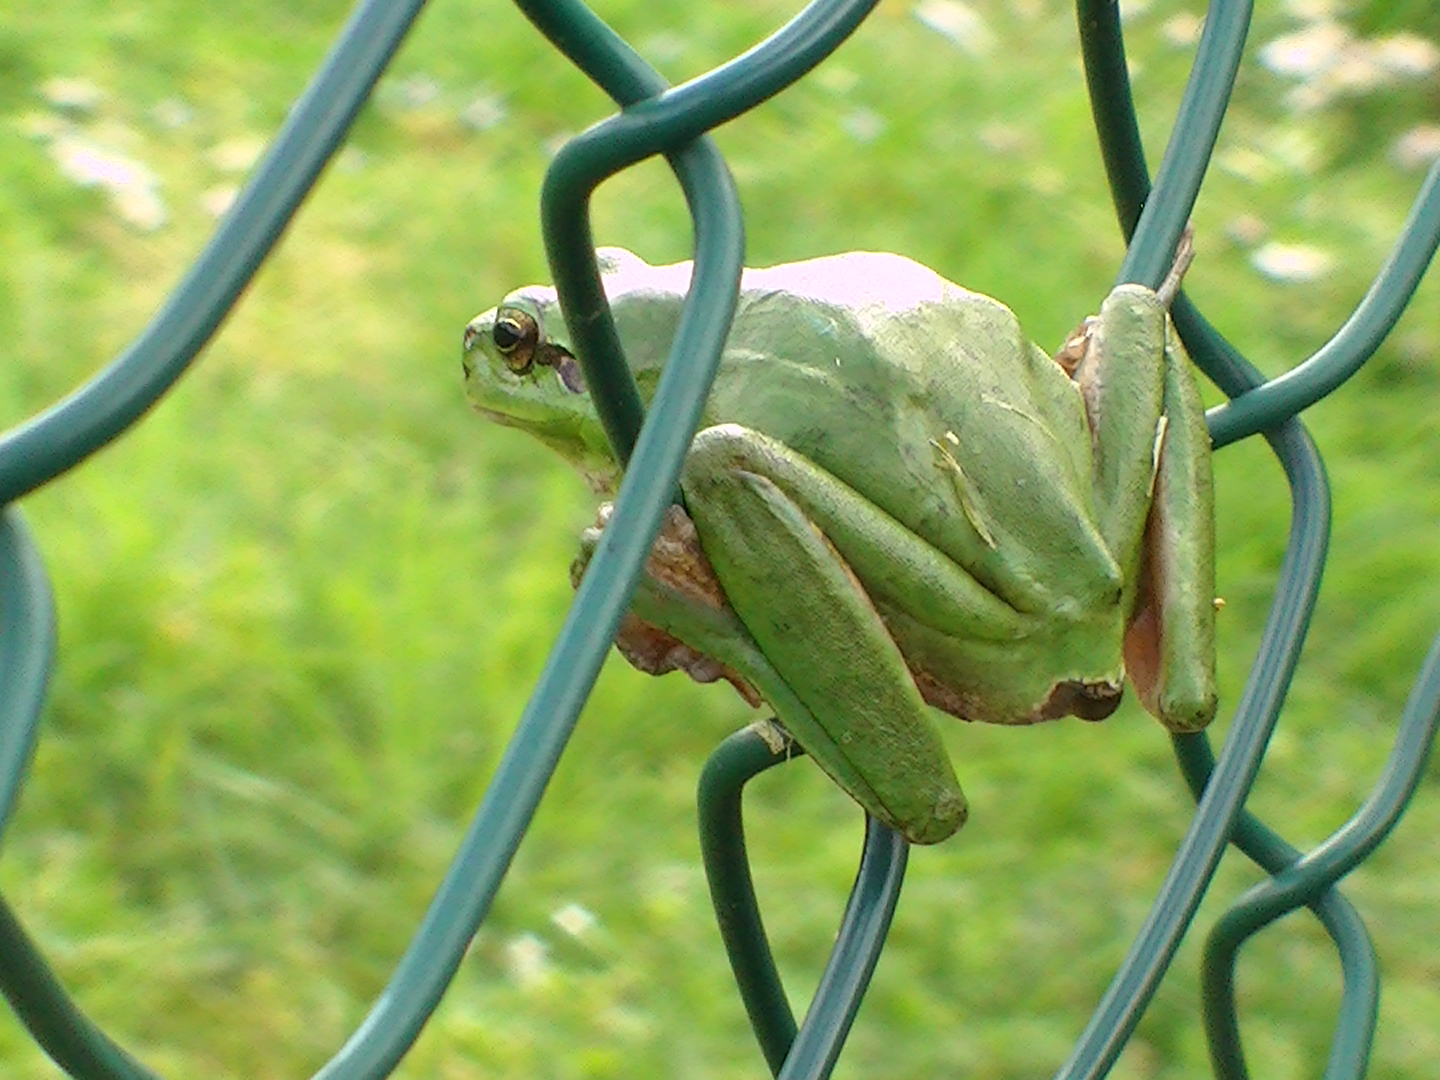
[(507, 335)]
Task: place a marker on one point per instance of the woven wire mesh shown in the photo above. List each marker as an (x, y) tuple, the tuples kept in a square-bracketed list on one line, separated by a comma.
[(658, 119)]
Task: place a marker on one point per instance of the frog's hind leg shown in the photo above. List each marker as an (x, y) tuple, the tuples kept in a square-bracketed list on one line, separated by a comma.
[(1169, 645), (860, 714)]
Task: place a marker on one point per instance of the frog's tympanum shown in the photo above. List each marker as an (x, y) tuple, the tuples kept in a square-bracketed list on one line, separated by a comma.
[(895, 500)]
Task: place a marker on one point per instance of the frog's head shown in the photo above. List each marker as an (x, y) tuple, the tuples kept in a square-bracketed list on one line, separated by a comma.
[(519, 371)]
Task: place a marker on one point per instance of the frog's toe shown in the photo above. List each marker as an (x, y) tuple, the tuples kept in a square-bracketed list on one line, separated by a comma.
[(943, 821), (1093, 699)]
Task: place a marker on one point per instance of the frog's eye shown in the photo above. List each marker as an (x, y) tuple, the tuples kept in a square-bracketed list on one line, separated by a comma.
[(515, 334)]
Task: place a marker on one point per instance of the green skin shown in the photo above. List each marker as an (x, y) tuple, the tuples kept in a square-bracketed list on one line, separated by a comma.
[(898, 499)]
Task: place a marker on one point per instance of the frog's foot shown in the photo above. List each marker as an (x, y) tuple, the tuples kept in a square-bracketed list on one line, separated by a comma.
[(1073, 349), (655, 652), (676, 564), (1089, 700)]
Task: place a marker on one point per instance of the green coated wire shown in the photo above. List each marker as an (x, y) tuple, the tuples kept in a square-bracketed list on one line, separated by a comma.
[(1139, 975), (27, 650), (1125, 166), (670, 119), (1192, 140), (616, 68), (1360, 994), (68, 432), (1355, 342), (857, 949), (65, 434), (72, 1039), (1350, 1049), (813, 1049), (657, 119), (1314, 873), (470, 884), (1135, 982), (737, 760), (468, 888)]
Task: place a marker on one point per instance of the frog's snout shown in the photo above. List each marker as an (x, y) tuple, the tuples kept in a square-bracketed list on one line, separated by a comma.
[(472, 334), (474, 330)]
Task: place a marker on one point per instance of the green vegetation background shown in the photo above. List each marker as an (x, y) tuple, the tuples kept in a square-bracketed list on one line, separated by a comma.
[(302, 605)]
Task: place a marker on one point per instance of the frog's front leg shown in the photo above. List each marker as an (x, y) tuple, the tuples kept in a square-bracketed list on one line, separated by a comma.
[(1120, 371), (1170, 642), (1154, 498), (850, 699)]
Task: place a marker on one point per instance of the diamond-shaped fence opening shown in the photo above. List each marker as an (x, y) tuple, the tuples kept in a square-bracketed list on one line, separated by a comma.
[(658, 119)]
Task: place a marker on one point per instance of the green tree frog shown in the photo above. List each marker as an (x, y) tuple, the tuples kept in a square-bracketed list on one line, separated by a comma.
[(896, 500)]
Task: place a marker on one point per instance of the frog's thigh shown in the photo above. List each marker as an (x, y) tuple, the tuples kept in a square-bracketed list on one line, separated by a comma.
[(1170, 644), (864, 721)]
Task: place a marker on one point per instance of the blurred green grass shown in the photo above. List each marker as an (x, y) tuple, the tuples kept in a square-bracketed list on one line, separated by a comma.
[(302, 604)]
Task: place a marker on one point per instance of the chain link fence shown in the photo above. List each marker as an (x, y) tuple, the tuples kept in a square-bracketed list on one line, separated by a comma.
[(672, 121)]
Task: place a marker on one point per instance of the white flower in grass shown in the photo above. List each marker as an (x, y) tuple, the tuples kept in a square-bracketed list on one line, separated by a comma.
[(959, 22), (1308, 52), (216, 201), (1247, 230), (1356, 71), (89, 165), (142, 207), (71, 95), (863, 125), (576, 921), (236, 155), (1310, 10), (1408, 56), (1292, 262), (527, 960), (483, 113), (1328, 60), (1418, 147), (134, 189), (1182, 29), (416, 91), (172, 113)]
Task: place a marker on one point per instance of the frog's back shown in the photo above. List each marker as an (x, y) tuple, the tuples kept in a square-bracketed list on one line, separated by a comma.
[(922, 395), (927, 398)]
